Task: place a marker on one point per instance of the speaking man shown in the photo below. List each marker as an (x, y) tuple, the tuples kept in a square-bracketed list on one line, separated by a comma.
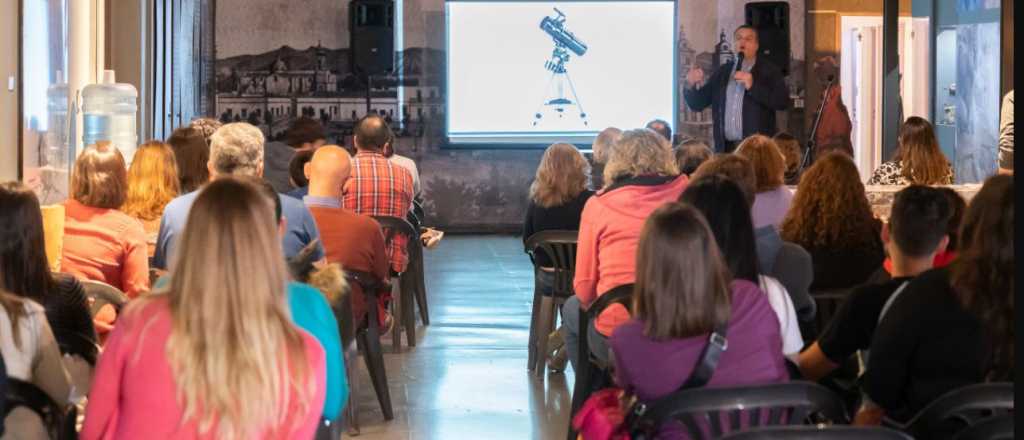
[(743, 96)]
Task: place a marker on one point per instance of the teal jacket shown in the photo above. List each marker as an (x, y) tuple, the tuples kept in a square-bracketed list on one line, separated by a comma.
[(312, 313)]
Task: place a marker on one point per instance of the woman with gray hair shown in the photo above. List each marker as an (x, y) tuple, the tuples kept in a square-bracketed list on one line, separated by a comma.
[(599, 155), (641, 175)]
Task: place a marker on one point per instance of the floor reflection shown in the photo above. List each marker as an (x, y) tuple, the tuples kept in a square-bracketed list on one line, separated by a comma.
[(467, 376)]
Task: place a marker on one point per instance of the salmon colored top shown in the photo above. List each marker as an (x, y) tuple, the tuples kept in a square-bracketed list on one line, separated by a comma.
[(105, 245), (609, 234)]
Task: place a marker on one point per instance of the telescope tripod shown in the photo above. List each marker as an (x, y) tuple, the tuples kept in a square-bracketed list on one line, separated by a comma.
[(555, 90)]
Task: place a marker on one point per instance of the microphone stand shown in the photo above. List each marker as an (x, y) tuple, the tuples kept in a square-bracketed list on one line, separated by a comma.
[(811, 144)]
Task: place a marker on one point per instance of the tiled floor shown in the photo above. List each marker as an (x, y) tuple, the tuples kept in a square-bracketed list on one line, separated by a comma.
[(467, 377)]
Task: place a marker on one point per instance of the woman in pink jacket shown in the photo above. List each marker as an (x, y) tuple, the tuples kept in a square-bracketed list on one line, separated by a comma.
[(641, 174)]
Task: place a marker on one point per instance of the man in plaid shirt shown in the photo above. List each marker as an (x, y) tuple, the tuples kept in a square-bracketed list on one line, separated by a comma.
[(379, 186)]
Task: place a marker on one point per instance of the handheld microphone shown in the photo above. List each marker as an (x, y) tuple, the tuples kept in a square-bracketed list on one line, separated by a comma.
[(739, 62)]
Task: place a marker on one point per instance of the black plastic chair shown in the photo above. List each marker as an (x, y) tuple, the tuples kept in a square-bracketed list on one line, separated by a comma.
[(958, 410), (591, 373), (560, 249), (711, 413), (103, 294), (367, 337), (992, 428), (834, 432), (827, 303), (404, 284), (59, 423)]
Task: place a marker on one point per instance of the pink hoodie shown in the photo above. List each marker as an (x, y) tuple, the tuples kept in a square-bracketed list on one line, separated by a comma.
[(609, 233)]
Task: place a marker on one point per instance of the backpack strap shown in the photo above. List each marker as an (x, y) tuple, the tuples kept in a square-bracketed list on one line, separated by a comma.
[(641, 427)]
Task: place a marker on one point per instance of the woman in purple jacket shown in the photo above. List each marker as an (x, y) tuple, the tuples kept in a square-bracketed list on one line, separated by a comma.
[(683, 291)]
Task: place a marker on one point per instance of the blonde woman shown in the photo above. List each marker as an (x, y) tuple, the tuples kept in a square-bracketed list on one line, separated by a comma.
[(641, 175), (101, 242), (152, 184), (214, 354), (557, 196), (773, 197)]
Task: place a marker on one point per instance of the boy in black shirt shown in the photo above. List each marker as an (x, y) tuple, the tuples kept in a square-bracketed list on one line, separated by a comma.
[(915, 233)]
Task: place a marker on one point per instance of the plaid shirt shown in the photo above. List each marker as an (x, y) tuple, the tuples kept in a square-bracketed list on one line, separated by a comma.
[(379, 187)]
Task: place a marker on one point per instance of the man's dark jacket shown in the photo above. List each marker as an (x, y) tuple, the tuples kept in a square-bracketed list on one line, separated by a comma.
[(767, 95)]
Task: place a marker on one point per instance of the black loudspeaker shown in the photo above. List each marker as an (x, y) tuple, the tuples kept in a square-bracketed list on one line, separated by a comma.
[(372, 42), (771, 19)]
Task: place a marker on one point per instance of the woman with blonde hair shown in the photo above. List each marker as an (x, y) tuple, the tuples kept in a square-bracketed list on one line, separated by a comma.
[(831, 219), (641, 175), (557, 196), (101, 242), (215, 354), (772, 198), (918, 160), (152, 184)]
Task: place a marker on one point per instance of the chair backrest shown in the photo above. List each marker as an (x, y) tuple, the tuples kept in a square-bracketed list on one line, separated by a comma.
[(710, 413), (559, 247), (960, 409), (795, 272), (827, 303), (53, 233), (834, 432), (103, 294), (395, 225), (992, 428), (58, 423)]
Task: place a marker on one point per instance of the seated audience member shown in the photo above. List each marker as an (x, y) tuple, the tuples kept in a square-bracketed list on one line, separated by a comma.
[(830, 217), (236, 149), (206, 127), (100, 242), (353, 240), (152, 184), (299, 176), (24, 272), (950, 327), (690, 154), (788, 263), (916, 233), (725, 208), (599, 152), (661, 127), (683, 293), (191, 156), (557, 196), (791, 150), (312, 313), (773, 198), (303, 134), (378, 187), (215, 353), (408, 164), (640, 176), (917, 160), (30, 354), (957, 207)]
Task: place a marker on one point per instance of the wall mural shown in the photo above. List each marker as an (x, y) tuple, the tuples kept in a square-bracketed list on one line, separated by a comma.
[(297, 64)]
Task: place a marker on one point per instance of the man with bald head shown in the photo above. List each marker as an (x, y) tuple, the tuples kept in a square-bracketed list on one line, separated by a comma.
[(378, 186), (353, 240)]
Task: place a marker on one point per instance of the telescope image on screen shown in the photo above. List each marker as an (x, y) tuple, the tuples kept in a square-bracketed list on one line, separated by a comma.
[(534, 73)]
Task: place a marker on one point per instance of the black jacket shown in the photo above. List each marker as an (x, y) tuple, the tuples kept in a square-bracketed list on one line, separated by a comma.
[(767, 95)]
